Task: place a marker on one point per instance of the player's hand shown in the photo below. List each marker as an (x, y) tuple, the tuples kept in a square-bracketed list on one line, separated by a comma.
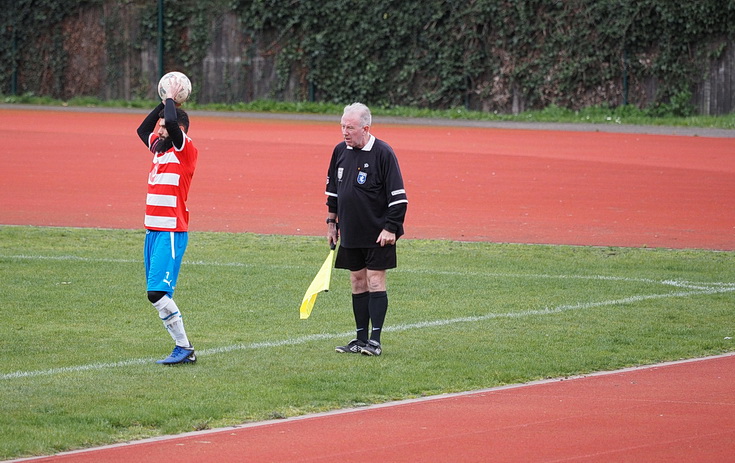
[(386, 238), (175, 89)]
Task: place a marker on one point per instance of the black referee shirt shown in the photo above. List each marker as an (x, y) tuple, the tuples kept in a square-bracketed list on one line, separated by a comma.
[(365, 189)]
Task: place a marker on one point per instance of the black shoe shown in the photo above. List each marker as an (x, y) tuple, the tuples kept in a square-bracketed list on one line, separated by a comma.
[(354, 347), (372, 348)]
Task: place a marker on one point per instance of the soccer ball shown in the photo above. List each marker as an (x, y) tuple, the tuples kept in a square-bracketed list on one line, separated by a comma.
[(165, 84)]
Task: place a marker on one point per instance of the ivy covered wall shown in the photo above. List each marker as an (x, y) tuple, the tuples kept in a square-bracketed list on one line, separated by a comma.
[(491, 55)]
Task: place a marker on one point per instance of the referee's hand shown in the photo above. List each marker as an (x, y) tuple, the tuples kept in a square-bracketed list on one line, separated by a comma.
[(386, 238), (332, 234)]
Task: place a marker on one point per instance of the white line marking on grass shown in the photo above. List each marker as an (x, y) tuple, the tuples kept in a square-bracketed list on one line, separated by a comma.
[(68, 258), (72, 258), (74, 369), (697, 288), (560, 309), (396, 328), (682, 284)]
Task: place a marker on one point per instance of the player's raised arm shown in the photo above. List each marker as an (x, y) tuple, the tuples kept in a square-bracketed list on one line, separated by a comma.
[(148, 125)]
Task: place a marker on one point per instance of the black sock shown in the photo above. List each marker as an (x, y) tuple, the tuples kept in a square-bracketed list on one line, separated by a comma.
[(362, 315), (378, 308)]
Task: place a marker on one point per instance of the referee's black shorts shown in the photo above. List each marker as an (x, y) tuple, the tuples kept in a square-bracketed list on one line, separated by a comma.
[(377, 258)]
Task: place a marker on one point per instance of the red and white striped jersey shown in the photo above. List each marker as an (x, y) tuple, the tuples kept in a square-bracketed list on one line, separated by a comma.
[(168, 187)]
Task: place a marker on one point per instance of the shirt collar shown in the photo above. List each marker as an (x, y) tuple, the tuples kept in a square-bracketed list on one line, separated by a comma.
[(368, 146)]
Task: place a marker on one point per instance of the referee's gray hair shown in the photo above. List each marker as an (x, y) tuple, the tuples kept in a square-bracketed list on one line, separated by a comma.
[(366, 119)]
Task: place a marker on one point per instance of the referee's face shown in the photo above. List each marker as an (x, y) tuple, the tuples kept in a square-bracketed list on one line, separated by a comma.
[(355, 135)]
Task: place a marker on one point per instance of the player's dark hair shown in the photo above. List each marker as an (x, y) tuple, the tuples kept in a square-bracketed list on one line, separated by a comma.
[(181, 118)]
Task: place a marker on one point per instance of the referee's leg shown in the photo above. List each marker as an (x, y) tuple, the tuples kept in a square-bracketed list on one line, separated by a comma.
[(378, 304), (361, 304)]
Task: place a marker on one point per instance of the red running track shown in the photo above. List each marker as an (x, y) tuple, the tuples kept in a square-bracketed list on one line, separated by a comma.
[(266, 176), (678, 412), (611, 189)]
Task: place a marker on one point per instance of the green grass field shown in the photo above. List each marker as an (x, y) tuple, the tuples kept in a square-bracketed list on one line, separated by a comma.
[(79, 338)]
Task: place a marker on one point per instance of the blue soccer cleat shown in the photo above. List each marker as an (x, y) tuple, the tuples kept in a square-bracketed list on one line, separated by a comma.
[(179, 355)]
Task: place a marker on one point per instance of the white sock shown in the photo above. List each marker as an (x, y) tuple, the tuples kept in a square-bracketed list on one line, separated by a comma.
[(172, 321)]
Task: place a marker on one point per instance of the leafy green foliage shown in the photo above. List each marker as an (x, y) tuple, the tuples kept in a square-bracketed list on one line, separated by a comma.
[(489, 55), (483, 54), (41, 55)]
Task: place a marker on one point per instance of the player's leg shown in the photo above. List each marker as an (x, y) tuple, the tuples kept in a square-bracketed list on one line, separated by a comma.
[(164, 253), (170, 315)]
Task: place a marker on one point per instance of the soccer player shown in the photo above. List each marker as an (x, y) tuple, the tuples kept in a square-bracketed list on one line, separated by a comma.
[(367, 205), (164, 131)]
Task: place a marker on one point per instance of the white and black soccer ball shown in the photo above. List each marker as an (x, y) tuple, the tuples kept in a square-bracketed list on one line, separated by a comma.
[(164, 86)]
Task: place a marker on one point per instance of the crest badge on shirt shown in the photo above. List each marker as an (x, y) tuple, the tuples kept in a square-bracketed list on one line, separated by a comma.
[(361, 177)]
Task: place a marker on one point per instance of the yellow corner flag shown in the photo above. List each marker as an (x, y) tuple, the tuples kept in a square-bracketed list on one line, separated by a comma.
[(320, 283)]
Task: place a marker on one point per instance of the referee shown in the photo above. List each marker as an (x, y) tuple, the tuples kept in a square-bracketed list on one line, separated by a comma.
[(366, 204)]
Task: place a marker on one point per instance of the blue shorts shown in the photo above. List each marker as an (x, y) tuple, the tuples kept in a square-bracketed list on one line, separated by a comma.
[(164, 252)]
